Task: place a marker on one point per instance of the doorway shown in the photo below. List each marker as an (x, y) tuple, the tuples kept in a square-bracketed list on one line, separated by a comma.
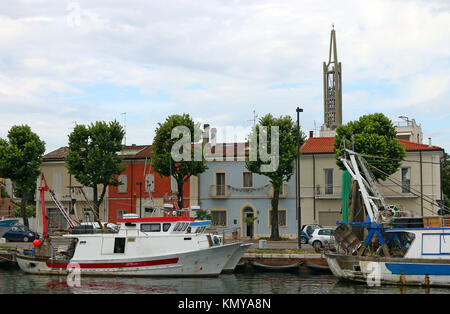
[(248, 222)]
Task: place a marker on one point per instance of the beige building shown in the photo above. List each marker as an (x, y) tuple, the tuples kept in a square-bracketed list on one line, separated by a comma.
[(67, 190), (418, 177)]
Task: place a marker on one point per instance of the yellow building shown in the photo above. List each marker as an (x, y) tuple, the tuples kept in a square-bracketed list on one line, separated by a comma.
[(419, 178), (67, 190)]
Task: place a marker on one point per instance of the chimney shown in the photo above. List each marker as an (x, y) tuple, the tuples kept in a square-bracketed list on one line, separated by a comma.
[(205, 133), (429, 142), (311, 134)]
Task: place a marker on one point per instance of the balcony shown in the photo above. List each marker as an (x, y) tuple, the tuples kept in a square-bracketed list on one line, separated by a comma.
[(219, 191), (327, 191)]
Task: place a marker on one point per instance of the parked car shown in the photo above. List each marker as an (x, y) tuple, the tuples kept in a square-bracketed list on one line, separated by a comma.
[(307, 230), (322, 237), (20, 233)]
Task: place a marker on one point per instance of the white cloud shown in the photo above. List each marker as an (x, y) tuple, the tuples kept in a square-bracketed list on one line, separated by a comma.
[(233, 51)]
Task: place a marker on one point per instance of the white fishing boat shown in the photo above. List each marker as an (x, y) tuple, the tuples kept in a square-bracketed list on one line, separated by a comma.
[(143, 247), (403, 253), (201, 226)]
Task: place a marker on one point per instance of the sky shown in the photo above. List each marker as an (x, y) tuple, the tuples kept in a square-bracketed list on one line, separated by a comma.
[(64, 63)]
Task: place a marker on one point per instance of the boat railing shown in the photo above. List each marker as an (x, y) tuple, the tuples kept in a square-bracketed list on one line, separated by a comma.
[(230, 233)]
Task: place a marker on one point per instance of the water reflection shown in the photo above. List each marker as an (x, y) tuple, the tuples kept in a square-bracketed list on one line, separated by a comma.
[(12, 280)]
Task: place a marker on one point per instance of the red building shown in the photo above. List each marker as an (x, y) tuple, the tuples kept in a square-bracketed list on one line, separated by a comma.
[(143, 191)]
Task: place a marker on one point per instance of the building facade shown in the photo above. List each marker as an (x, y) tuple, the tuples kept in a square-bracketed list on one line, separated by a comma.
[(6, 206), (415, 187), (142, 191), (234, 197), (76, 198)]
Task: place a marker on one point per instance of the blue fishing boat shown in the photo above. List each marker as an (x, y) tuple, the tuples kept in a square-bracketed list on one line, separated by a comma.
[(396, 250)]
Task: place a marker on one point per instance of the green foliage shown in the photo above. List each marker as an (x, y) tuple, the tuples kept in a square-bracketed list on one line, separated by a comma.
[(287, 155), (373, 135), (446, 179), (93, 158), (202, 215), (287, 149), (162, 161), (20, 161), (30, 209), (4, 194), (250, 220)]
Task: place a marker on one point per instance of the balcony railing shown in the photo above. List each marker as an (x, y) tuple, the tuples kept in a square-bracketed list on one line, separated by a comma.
[(219, 191), (327, 191)]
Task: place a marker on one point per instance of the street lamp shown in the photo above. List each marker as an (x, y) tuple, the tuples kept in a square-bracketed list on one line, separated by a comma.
[(297, 182), (140, 198)]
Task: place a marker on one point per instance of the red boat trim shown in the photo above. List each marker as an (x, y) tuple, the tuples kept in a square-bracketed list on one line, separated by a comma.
[(157, 219), (117, 265)]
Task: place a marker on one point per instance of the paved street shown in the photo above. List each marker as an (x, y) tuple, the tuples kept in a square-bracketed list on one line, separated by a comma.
[(280, 245)]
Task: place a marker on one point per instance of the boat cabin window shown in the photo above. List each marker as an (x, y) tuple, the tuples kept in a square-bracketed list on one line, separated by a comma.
[(200, 229), (181, 226), (119, 245), (153, 227), (166, 226), (185, 225)]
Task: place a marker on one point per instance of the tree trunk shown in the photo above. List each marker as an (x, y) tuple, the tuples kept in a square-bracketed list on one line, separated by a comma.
[(275, 235), (23, 209), (97, 206)]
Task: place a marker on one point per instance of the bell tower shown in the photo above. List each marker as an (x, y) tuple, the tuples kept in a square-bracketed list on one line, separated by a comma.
[(332, 90)]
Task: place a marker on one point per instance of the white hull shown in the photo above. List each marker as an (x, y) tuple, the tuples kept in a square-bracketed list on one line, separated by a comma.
[(396, 271), (204, 262), (234, 260)]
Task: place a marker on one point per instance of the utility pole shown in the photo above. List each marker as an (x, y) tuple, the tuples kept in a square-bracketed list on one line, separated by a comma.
[(297, 182)]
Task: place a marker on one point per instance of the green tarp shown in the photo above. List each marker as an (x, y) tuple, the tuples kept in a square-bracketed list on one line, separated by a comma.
[(345, 193)]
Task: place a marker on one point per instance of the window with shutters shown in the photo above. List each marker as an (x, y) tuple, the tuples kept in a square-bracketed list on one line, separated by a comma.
[(122, 188)]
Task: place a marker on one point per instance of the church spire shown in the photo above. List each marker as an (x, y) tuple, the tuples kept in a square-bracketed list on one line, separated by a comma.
[(332, 84)]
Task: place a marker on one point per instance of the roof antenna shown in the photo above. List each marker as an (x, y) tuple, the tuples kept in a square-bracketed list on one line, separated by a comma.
[(125, 127), (255, 115)]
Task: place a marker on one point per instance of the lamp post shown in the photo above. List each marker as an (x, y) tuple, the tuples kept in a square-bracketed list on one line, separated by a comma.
[(297, 182), (140, 198)]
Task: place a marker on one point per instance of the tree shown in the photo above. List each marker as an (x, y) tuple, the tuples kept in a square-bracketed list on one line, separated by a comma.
[(446, 179), (93, 157), (371, 135), (280, 165), (172, 153), (20, 161)]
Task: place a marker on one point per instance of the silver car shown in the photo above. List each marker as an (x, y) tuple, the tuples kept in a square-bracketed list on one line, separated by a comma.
[(322, 237)]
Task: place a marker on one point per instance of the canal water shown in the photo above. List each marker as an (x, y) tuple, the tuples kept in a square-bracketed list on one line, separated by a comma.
[(14, 281)]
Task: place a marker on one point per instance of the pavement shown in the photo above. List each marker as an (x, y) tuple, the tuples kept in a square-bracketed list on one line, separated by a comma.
[(279, 245)]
